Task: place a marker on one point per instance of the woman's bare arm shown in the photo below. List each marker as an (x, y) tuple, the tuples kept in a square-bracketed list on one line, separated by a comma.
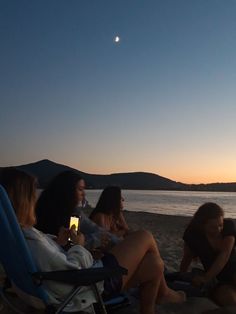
[(122, 222), (187, 259), (222, 258)]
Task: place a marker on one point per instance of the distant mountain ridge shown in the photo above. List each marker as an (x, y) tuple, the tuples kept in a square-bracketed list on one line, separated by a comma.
[(46, 169)]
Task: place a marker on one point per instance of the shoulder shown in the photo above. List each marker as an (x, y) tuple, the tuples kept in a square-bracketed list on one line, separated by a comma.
[(38, 241), (102, 220), (99, 217), (32, 234)]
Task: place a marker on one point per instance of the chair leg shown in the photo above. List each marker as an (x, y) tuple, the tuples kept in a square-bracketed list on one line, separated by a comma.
[(74, 292), (67, 300), (100, 300)]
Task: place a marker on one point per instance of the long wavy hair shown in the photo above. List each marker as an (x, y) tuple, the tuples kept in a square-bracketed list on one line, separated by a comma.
[(57, 202), (205, 212), (21, 189), (109, 202)]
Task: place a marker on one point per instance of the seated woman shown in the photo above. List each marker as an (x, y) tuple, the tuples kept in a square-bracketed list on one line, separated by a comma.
[(212, 238), (108, 212), (138, 253), (59, 201)]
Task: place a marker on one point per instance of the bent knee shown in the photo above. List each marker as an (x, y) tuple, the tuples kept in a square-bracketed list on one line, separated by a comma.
[(144, 234)]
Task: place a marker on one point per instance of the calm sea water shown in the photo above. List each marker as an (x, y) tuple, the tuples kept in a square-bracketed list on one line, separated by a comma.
[(182, 203)]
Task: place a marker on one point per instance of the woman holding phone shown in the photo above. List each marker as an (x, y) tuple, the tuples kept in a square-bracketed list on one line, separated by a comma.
[(138, 253), (59, 201)]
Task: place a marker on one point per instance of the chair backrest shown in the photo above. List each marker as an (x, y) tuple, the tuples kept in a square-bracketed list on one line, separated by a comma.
[(14, 252)]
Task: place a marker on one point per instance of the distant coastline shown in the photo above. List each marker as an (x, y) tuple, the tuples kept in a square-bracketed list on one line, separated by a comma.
[(46, 169)]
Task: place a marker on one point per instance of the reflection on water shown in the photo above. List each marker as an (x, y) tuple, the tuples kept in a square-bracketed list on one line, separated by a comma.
[(183, 203)]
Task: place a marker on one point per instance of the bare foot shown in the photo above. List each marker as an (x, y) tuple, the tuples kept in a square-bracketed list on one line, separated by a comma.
[(172, 297)]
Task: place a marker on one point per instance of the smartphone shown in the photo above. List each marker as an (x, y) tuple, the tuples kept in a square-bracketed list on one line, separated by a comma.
[(74, 221)]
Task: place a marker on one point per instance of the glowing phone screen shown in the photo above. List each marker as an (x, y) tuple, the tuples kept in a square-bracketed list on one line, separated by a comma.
[(74, 221)]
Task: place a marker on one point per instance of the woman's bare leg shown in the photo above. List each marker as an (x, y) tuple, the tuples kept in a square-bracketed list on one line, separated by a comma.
[(140, 255), (167, 295), (147, 277), (132, 250), (164, 293)]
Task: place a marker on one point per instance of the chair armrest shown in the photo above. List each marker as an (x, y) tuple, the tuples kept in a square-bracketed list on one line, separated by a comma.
[(81, 277)]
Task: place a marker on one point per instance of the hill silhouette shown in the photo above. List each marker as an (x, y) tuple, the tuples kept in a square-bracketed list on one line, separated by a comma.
[(46, 169)]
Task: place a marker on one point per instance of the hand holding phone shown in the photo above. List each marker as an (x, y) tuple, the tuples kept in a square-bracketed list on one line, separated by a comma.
[(77, 238), (63, 236), (75, 235)]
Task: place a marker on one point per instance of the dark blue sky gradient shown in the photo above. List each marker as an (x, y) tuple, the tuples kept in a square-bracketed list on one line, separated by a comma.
[(161, 100)]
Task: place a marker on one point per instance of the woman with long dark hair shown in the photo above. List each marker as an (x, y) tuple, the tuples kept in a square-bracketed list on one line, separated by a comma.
[(211, 238), (57, 202), (108, 212)]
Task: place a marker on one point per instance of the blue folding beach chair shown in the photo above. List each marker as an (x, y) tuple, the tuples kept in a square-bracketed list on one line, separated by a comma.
[(23, 275)]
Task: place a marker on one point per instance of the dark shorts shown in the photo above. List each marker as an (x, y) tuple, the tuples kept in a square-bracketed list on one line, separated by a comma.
[(112, 285)]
